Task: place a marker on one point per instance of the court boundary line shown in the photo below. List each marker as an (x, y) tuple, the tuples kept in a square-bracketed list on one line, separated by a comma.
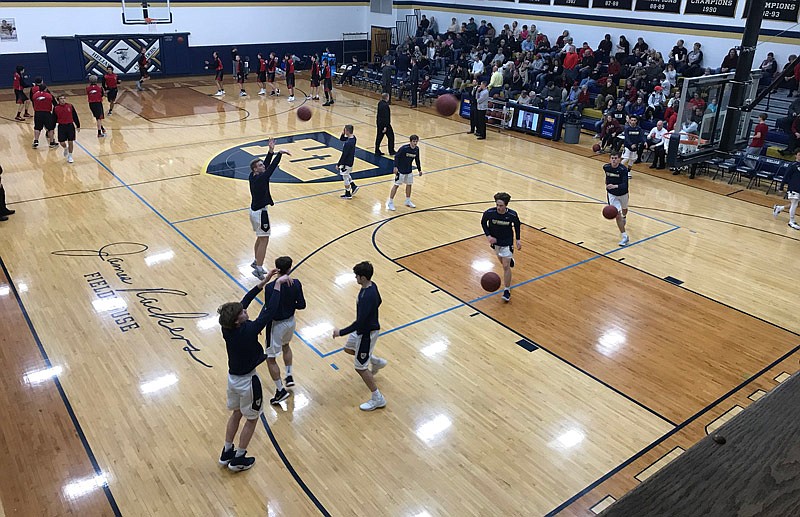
[(64, 398)]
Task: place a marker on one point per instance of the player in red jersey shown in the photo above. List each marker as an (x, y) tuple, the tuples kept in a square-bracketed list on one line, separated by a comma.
[(94, 93), (37, 82), (272, 67), (143, 65), (239, 65), (19, 93), (262, 75), (327, 81), (315, 78), (110, 84), (43, 103), (288, 62), (219, 72), (68, 125)]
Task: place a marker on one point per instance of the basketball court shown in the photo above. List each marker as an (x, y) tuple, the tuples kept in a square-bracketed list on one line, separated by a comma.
[(607, 363)]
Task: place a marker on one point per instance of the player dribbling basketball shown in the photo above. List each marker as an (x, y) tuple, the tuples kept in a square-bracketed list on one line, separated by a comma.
[(500, 224), (617, 191)]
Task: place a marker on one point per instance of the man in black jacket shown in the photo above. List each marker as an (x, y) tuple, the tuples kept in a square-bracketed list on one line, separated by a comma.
[(245, 353), (413, 80), (384, 123), (386, 79)]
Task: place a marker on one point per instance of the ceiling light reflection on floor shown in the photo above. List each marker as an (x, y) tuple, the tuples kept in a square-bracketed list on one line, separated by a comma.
[(315, 331), (109, 304), (435, 348), (433, 428), (84, 486), (154, 259), (158, 384), (482, 265), (38, 376)]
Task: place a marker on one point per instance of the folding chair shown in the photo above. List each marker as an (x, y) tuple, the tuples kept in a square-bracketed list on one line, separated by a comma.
[(777, 179)]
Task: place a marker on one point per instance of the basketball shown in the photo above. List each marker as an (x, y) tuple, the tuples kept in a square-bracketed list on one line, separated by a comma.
[(609, 212), (446, 104), (180, 39), (490, 281), (304, 113), (596, 148)]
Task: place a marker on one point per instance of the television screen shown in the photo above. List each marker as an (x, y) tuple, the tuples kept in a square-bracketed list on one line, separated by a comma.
[(527, 120)]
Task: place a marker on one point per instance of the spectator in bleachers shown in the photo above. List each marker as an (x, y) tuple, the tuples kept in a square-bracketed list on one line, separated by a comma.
[(694, 62), (604, 48), (434, 26), (491, 33), (553, 96), (526, 99), (641, 46), (794, 137), (496, 82), (677, 56), (712, 105), (515, 86), (614, 69), (524, 33), (454, 27), (572, 98), (608, 133), (655, 143), (729, 62), (561, 40), (759, 137), (515, 30), (482, 29), (536, 68), (607, 92), (477, 69), (571, 61), (527, 44), (656, 102), (636, 108), (785, 123), (671, 75), (423, 25), (472, 27), (794, 81), (787, 73), (672, 116), (623, 50), (350, 72), (630, 93), (696, 101), (768, 68)]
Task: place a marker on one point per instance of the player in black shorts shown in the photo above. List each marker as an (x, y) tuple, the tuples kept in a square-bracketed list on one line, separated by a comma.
[(143, 64), (68, 125), (289, 63), (240, 75), (110, 84), (327, 78), (43, 103), (315, 77), (262, 75)]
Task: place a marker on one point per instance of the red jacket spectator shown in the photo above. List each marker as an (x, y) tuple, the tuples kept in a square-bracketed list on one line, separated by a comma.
[(672, 120), (571, 60)]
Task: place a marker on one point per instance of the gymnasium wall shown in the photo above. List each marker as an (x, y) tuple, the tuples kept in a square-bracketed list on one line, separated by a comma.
[(300, 27), (660, 30)]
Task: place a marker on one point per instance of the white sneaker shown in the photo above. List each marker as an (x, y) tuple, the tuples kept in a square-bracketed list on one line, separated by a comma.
[(69, 159), (259, 273), (242, 94), (777, 209), (625, 240), (409, 204), (794, 225), (390, 205), (262, 92), (377, 364), (291, 98), (373, 404), (254, 265), (308, 97), (630, 174), (66, 152)]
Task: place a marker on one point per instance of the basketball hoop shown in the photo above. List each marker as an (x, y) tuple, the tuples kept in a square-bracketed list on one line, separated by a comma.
[(151, 25)]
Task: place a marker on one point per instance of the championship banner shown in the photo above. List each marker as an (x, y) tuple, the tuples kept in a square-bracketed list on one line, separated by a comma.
[(572, 3), (781, 10), (725, 8), (541, 2), (121, 52), (624, 5), (659, 6)]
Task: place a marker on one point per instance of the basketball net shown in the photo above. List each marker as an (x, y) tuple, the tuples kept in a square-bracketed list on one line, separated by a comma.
[(151, 25)]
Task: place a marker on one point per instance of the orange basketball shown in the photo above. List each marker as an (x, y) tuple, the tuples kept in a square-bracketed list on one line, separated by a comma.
[(304, 113), (610, 211), (446, 104), (490, 281), (596, 148)]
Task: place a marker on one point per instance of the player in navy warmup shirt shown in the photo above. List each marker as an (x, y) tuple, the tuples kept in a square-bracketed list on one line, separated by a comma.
[(792, 179), (283, 326), (345, 163), (261, 199), (405, 156), (617, 191), (363, 334), (500, 224), (244, 355)]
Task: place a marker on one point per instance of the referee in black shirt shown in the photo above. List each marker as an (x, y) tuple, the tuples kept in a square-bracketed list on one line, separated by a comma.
[(244, 355), (384, 123), (500, 224)]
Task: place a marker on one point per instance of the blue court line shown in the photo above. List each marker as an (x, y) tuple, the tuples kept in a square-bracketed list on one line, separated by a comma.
[(540, 277), (474, 162)]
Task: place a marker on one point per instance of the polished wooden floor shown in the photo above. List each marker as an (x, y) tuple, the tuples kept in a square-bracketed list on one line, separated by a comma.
[(596, 370)]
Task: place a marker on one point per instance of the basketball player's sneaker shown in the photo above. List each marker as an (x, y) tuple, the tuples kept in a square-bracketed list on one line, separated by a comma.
[(376, 364), (777, 209), (240, 463), (242, 93), (110, 112), (308, 97), (512, 262), (354, 188), (219, 92), (35, 144), (794, 225), (260, 273), (409, 204), (625, 240), (226, 456), (262, 91), (506, 295), (373, 403), (390, 205), (254, 265), (66, 152), (346, 195), (280, 396), (291, 98), (53, 144), (278, 91), (69, 158), (289, 381)]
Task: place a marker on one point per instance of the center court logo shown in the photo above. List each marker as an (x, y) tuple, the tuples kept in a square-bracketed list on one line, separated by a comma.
[(313, 160)]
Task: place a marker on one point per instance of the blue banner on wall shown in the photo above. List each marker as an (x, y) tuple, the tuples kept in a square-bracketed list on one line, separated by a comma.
[(121, 52)]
